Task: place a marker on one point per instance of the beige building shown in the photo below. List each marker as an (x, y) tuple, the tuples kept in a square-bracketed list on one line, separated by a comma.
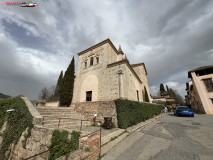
[(163, 99), (200, 89), (103, 74)]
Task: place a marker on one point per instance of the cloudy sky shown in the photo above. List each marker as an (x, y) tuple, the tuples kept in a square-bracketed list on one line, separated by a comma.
[(170, 36)]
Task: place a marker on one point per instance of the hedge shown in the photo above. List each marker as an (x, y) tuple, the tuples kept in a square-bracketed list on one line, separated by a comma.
[(130, 113), (17, 122)]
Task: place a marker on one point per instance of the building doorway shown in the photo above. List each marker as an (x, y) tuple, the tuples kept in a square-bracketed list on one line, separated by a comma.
[(89, 96)]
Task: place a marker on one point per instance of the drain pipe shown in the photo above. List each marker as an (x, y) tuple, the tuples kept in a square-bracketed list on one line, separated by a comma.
[(119, 81)]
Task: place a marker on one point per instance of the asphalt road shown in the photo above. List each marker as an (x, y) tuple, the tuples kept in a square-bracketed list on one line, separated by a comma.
[(168, 138)]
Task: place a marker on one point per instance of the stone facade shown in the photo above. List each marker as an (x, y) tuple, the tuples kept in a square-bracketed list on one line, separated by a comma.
[(101, 108), (104, 73), (200, 89)]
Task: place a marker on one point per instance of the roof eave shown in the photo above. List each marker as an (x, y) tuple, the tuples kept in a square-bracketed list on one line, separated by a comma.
[(97, 45)]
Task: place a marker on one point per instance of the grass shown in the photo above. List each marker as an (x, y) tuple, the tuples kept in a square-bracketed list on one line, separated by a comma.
[(99, 158)]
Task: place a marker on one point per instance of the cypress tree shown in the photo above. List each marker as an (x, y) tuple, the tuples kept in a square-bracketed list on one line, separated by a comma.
[(146, 95), (162, 90), (57, 89), (176, 96), (167, 88), (66, 91)]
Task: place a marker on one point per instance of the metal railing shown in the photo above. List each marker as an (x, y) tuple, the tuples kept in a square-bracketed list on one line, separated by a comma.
[(68, 146), (59, 120)]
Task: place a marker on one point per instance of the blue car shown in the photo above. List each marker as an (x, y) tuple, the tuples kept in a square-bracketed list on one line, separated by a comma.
[(183, 111)]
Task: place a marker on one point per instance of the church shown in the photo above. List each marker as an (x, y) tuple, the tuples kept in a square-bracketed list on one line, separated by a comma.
[(105, 74)]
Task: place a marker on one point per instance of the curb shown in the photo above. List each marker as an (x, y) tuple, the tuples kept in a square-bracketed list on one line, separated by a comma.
[(129, 130), (107, 138), (113, 143), (142, 124)]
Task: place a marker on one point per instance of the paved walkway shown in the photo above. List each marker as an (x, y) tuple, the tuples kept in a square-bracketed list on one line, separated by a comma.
[(169, 138)]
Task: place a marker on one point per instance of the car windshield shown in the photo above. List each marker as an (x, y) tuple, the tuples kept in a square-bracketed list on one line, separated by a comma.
[(183, 108)]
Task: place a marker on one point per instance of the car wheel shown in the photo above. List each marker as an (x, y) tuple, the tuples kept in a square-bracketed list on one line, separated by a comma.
[(193, 115)]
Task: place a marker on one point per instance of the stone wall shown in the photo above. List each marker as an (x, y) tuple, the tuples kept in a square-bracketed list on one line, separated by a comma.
[(52, 104), (140, 70), (89, 147), (38, 142), (1, 132), (37, 118), (101, 108)]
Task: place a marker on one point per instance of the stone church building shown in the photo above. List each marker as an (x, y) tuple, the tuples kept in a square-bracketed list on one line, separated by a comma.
[(103, 74)]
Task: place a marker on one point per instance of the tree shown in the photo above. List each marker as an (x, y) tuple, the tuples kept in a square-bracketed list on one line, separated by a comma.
[(44, 94), (51, 93), (47, 94), (146, 95), (57, 89), (3, 96), (167, 89), (66, 91), (162, 90), (176, 96)]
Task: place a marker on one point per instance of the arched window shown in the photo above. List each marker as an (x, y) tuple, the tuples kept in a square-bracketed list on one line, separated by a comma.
[(85, 64), (97, 59), (91, 61)]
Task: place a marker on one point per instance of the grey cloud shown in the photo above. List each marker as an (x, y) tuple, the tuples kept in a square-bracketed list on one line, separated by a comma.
[(178, 35)]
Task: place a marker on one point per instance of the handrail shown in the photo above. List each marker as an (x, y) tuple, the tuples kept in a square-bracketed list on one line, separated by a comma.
[(59, 120), (68, 146)]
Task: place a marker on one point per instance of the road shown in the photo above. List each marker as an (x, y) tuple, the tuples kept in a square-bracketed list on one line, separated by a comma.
[(168, 138)]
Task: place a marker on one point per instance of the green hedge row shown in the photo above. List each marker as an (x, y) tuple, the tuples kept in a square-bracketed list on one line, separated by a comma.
[(17, 122), (130, 113)]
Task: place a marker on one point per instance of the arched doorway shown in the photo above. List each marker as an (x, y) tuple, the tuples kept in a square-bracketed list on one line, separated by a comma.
[(89, 88)]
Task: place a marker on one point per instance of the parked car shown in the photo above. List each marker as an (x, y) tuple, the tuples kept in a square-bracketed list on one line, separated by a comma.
[(183, 111)]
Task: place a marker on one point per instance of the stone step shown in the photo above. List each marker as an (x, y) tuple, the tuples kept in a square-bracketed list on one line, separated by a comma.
[(61, 120), (61, 115), (75, 122), (49, 112), (53, 108), (64, 112), (64, 117), (51, 117), (63, 125), (69, 118)]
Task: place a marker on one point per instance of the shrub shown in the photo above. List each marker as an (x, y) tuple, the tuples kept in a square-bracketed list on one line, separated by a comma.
[(60, 139), (130, 113), (17, 122)]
